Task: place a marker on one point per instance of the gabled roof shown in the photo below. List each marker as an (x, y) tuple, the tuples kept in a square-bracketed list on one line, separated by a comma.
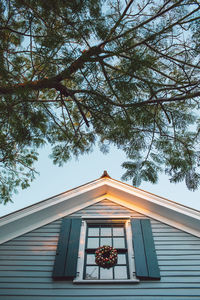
[(64, 204)]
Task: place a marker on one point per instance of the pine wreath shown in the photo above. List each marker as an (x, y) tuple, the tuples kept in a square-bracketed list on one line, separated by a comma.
[(106, 256)]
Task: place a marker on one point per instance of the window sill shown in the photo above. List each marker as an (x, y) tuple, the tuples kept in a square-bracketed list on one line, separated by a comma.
[(106, 281)]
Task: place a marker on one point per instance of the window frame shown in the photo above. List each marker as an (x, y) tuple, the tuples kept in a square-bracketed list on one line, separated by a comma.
[(130, 252)]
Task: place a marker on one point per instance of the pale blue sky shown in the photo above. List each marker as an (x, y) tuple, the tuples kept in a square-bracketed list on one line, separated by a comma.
[(54, 180)]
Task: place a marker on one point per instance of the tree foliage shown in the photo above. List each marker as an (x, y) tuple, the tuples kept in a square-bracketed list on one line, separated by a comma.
[(123, 73)]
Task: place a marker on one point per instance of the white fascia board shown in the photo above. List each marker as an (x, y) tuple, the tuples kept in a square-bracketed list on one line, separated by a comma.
[(43, 217), (93, 189), (142, 201), (55, 208), (157, 216), (118, 187)]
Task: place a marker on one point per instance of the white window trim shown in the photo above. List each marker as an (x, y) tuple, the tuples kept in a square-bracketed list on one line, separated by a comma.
[(81, 253)]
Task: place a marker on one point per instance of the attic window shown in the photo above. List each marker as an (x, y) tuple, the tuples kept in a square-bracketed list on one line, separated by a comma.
[(110, 232), (113, 235), (79, 239)]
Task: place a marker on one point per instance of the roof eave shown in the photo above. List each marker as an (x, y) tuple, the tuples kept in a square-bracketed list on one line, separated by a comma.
[(73, 200)]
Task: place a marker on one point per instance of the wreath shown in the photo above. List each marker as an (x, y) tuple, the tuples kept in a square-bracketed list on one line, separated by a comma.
[(106, 256)]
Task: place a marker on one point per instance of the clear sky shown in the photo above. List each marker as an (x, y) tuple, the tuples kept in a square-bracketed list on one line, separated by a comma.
[(54, 180)]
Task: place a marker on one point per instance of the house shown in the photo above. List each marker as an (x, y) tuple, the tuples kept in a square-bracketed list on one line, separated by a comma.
[(47, 250)]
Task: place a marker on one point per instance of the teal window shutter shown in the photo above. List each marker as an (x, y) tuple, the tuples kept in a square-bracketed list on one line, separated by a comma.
[(67, 249), (146, 263)]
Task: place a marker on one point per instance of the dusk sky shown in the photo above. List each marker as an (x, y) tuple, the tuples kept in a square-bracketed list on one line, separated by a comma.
[(54, 180)]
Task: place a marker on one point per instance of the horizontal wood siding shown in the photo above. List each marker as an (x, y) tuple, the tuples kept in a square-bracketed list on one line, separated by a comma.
[(26, 265), (106, 207)]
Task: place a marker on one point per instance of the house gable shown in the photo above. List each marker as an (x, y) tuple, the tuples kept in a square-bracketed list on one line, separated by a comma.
[(106, 208), (26, 264)]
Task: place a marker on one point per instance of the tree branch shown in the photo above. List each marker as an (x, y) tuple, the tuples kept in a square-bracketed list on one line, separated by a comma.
[(50, 83)]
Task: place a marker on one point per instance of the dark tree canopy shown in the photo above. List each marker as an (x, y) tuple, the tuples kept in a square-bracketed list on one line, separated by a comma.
[(117, 72)]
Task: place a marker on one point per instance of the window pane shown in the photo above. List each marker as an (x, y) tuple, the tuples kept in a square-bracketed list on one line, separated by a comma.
[(106, 231), (106, 273), (91, 273), (106, 242), (118, 243), (118, 231), (90, 259), (121, 259), (120, 272), (93, 231), (93, 243)]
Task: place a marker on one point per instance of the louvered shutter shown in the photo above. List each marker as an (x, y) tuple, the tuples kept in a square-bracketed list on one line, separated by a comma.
[(144, 250), (67, 249)]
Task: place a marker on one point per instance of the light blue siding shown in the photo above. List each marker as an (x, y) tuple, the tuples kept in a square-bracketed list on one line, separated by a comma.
[(26, 265)]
